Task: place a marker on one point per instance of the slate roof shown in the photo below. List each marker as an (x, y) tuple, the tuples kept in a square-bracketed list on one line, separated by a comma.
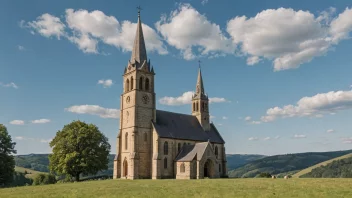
[(186, 127), (189, 152)]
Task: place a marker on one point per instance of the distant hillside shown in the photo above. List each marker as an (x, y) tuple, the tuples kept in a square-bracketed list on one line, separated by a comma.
[(29, 172), (309, 169), (237, 160), (40, 162), (284, 163), (341, 168)]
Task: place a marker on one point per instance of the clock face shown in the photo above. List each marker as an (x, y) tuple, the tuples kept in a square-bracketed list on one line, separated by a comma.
[(128, 99), (145, 99)]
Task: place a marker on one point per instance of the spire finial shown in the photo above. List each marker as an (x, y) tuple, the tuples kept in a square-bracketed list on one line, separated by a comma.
[(199, 63), (139, 11)]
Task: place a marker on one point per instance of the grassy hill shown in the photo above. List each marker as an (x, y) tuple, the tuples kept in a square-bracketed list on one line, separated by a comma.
[(30, 173), (237, 160), (309, 169), (284, 163), (189, 188)]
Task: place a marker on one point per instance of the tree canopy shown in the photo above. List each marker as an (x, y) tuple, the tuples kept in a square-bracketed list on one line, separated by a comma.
[(79, 148), (7, 162)]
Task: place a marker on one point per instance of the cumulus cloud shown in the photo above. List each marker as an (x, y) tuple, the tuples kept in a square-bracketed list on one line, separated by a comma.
[(299, 136), (185, 28), (41, 121), (105, 83), (253, 138), (94, 110), (11, 84), (186, 98), (287, 37), (330, 131), (87, 29), (17, 122), (320, 104), (47, 25)]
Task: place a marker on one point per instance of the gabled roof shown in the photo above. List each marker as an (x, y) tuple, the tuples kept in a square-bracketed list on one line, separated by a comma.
[(186, 127), (191, 152)]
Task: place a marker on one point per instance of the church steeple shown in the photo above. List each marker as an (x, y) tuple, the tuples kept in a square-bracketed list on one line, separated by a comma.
[(139, 52), (200, 103)]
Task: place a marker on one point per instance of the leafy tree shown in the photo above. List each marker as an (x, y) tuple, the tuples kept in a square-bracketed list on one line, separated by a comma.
[(79, 148), (264, 175), (7, 162)]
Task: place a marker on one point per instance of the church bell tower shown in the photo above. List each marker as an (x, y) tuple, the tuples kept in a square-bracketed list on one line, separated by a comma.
[(200, 103), (137, 110)]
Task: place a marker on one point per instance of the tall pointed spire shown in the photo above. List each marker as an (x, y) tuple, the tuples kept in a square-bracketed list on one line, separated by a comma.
[(139, 52), (200, 86)]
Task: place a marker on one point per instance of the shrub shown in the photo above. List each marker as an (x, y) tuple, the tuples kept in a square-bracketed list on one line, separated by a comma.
[(43, 179), (264, 175)]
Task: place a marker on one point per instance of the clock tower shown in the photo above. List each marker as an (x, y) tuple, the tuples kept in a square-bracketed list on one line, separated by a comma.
[(133, 158)]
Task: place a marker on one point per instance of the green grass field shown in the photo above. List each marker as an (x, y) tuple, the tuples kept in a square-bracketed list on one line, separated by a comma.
[(309, 169), (32, 172), (190, 188)]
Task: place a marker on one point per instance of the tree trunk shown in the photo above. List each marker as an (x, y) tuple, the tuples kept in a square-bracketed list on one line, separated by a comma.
[(77, 177)]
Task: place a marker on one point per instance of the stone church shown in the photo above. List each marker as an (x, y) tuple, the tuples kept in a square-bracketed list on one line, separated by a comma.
[(155, 144)]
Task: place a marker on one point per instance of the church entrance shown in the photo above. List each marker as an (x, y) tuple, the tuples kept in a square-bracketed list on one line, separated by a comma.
[(208, 169), (125, 168)]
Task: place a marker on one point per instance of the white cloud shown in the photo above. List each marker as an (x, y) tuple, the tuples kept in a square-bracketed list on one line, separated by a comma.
[(17, 122), (47, 25), (255, 122), (41, 121), (287, 37), (11, 84), (324, 103), (248, 118), (88, 29), (277, 137), (299, 136), (253, 138), (105, 83), (186, 28), (212, 117), (21, 48), (21, 138), (347, 140), (186, 98), (94, 110), (224, 118), (330, 131), (267, 138)]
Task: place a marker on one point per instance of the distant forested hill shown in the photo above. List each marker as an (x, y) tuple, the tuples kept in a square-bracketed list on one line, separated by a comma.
[(284, 163), (237, 160), (337, 169)]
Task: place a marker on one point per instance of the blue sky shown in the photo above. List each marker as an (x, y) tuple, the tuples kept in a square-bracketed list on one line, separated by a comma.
[(278, 72)]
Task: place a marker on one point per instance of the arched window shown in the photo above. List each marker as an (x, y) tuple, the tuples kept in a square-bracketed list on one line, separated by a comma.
[(197, 106), (194, 107), (127, 86), (219, 168), (182, 168), (216, 151), (145, 137), (141, 83), (203, 106), (147, 84), (131, 82), (166, 148), (165, 163), (126, 141), (178, 147)]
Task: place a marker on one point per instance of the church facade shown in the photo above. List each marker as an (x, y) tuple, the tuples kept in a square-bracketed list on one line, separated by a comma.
[(155, 144)]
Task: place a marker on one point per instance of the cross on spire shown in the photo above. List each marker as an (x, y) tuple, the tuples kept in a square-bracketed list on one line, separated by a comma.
[(139, 10), (199, 63)]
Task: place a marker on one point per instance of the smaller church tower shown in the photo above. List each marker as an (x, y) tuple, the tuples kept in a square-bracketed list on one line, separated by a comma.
[(200, 103)]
